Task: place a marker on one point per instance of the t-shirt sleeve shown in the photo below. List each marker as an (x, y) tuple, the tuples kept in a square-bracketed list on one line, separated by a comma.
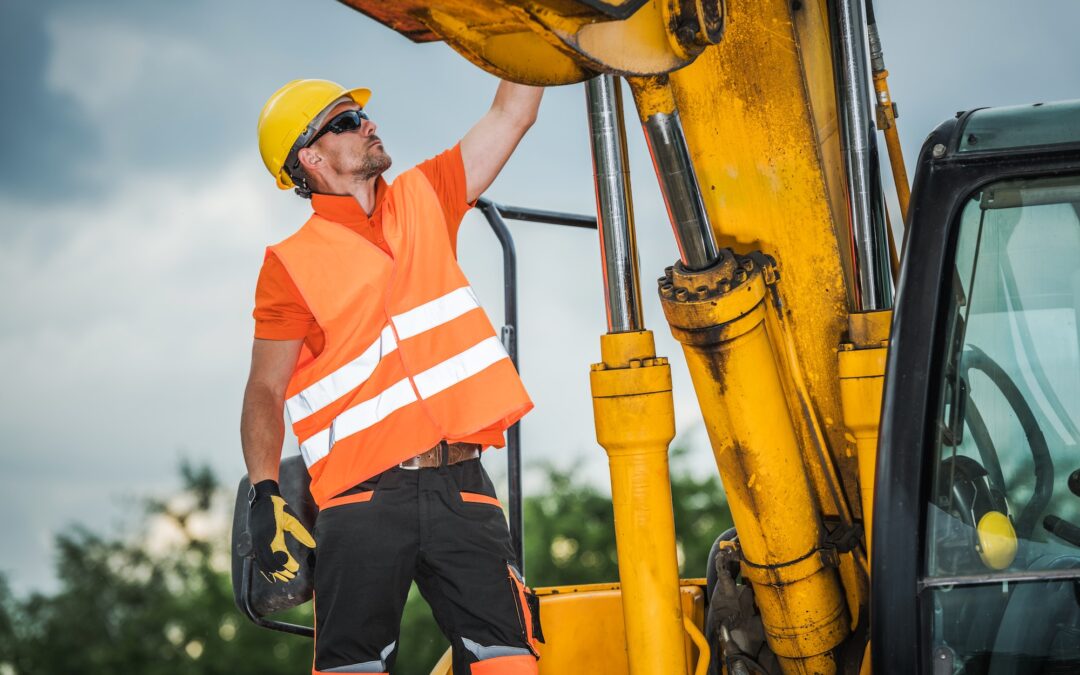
[(446, 173), (280, 311)]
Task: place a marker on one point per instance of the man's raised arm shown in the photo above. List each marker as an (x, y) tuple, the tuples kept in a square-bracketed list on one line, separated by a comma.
[(487, 146)]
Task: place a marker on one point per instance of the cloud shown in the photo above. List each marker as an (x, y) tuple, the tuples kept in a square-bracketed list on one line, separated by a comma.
[(46, 139)]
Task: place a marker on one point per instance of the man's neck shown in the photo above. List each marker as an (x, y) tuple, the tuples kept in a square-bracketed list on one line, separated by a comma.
[(364, 193)]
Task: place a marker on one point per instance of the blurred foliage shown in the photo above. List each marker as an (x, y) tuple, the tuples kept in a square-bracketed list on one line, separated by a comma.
[(158, 600)]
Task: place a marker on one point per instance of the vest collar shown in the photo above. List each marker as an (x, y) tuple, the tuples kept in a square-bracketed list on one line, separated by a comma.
[(345, 208)]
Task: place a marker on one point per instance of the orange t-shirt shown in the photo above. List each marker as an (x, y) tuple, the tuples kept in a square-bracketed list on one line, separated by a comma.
[(281, 312)]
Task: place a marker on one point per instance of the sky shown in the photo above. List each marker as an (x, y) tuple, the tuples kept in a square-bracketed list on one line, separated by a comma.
[(134, 211)]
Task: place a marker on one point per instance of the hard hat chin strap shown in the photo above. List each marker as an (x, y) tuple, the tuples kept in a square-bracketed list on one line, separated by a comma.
[(302, 188)]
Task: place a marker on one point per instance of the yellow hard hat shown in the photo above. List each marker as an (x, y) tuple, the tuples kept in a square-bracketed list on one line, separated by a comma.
[(292, 115)]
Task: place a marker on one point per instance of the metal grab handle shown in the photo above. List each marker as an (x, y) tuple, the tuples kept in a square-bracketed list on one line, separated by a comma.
[(494, 214)]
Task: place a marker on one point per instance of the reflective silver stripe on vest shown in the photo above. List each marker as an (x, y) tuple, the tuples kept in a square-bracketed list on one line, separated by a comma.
[(435, 313), (400, 394), (343, 380), (410, 323), (460, 367), (357, 418)]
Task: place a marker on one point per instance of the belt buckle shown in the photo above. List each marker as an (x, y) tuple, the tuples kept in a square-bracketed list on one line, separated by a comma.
[(415, 462)]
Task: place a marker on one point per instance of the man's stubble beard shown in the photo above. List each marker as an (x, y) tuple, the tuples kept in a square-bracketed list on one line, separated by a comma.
[(374, 163)]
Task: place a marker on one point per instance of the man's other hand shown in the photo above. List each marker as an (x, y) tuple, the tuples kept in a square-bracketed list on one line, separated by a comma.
[(269, 519)]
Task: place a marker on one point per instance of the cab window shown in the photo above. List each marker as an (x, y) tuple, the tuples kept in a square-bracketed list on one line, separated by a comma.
[(1002, 552)]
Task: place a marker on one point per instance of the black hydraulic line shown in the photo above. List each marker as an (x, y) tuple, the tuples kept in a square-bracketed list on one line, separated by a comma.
[(871, 266), (976, 359), (494, 213)]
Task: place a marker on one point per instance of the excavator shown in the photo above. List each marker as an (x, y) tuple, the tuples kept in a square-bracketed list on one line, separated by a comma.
[(896, 424)]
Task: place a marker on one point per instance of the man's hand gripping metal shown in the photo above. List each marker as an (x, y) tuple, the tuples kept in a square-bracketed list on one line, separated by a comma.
[(269, 518)]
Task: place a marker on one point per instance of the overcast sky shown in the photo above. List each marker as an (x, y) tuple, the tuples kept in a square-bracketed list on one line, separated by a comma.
[(134, 212)]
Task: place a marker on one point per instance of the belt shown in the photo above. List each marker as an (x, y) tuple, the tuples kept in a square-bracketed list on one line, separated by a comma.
[(443, 453)]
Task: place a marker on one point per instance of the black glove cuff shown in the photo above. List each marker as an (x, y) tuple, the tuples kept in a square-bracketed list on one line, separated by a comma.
[(264, 489)]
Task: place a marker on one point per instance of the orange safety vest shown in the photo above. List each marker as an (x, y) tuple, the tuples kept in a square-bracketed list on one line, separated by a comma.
[(410, 357)]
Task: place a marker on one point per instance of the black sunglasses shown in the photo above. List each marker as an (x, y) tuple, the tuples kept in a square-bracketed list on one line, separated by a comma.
[(349, 120)]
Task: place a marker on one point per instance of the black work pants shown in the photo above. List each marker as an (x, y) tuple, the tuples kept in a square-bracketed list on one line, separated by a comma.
[(442, 527)]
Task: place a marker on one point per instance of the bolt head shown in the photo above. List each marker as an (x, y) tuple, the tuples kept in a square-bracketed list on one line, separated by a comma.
[(686, 34)]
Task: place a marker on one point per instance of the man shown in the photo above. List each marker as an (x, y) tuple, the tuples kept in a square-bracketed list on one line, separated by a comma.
[(368, 333)]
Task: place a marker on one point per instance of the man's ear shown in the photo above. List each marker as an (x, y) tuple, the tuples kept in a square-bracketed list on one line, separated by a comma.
[(309, 159)]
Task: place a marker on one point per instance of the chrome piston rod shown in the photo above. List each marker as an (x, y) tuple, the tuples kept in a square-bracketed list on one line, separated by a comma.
[(682, 195), (873, 277), (614, 210)]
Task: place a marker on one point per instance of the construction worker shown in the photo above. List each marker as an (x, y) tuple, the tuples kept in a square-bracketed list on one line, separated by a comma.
[(368, 334)]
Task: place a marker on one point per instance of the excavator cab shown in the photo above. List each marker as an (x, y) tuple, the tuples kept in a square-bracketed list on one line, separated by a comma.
[(976, 550)]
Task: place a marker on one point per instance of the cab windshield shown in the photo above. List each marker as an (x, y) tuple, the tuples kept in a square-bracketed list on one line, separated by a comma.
[(1002, 558)]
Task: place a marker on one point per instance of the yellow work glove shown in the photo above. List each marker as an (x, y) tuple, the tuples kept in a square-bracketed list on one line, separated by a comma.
[(269, 518)]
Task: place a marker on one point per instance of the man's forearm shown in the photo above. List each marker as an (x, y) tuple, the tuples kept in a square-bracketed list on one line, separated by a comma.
[(517, 102), (262, 431), (487, 146)]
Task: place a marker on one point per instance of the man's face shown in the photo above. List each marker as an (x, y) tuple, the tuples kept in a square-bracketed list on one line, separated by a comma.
[(352, 154)]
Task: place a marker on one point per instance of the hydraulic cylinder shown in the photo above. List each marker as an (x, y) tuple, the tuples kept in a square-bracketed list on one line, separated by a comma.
[(635, 422), (635, 414), (719, 315)]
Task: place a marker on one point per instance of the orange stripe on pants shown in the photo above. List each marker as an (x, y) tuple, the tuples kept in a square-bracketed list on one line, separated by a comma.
[(505, 665)]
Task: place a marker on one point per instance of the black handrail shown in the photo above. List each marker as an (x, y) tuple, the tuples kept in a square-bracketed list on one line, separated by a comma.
[(494, 213)]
